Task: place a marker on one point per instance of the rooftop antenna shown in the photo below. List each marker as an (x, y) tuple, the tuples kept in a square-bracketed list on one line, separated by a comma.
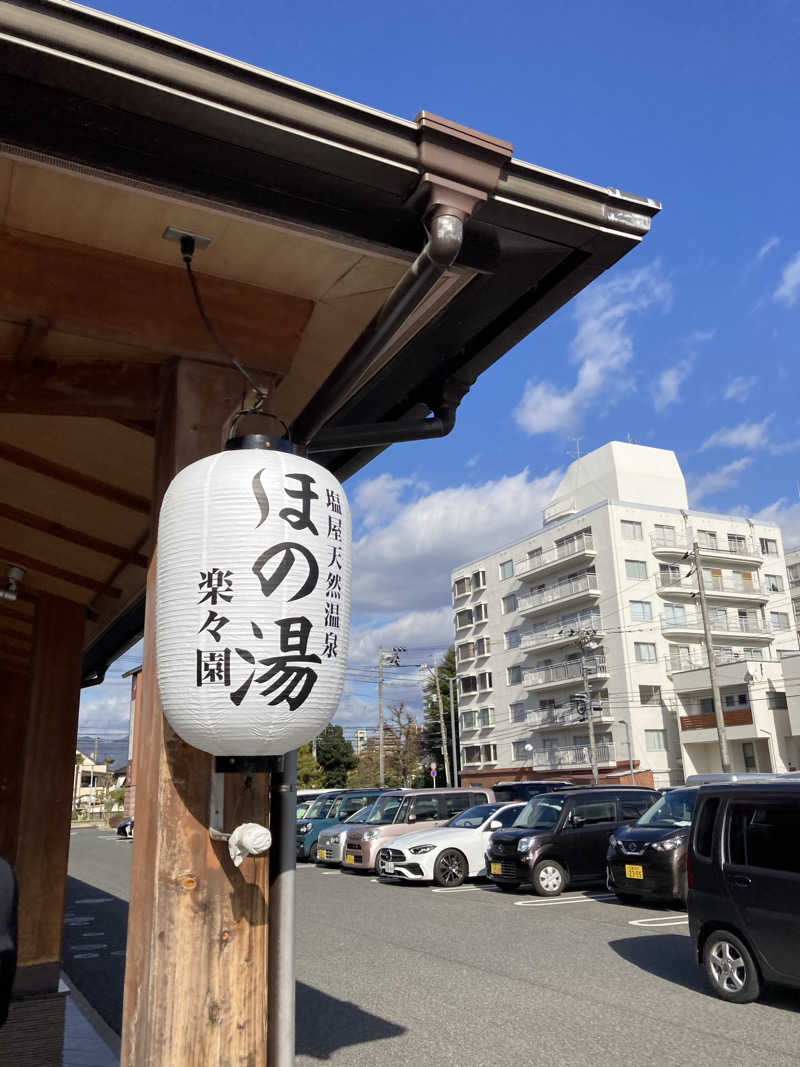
[(576, 452)]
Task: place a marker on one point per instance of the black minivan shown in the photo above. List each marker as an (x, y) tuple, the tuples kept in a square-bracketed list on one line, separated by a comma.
[(508, 792), (744, 886), (562, 837)]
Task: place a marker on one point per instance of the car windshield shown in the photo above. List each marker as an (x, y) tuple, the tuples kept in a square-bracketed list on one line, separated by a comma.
[(384, 810), (320, 808), (541, 813), (673, 809), (473, 817), (360, 815)]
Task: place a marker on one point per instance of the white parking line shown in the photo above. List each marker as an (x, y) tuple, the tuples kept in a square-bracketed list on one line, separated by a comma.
[(94, 900), (85, 955), (458, 889), (660, 920), (578, 899), (95, 934)]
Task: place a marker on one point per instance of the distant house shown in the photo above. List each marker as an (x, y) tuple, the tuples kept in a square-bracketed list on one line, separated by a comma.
[(91, 783)]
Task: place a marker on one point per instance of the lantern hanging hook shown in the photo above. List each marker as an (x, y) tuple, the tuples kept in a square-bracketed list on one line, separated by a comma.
[(257, 408)]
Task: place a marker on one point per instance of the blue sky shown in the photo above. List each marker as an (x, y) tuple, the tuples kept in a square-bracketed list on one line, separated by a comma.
[(690, 343)]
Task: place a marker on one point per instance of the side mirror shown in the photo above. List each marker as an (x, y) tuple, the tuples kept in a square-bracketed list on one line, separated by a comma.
[(412, 817), (495, 824), (576, 820)]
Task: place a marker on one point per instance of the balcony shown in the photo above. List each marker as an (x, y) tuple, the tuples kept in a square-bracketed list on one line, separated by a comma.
[(577, 550), (579, 589), (533, 641), (716, 588), (708, 721), (691, 625), (559, 509), (558, 718), (552, 758), (745, 551), (557, 674)]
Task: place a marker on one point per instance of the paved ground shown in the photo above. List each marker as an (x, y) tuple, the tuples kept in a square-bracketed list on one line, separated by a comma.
[(470, 977)]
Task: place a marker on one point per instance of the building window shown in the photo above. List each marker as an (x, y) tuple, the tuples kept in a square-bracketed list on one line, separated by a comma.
[(483, 646), (512, 639), (481, 613), (641, 610), (737, 543), (665, 535), (645, 652), (461, 586), (472, 754), (519, 750), (509, 604), (774, 583), (675, 614), (753, 653), (776, 701), (779, 620), (706, 538), (463, 618), (479, 580), (649, 694), (518, 713), (635, 568), (631, 531), (469, 720), (655, 740), (486, 717), (769, 547), (749, 753), (507, 568), (466, 651), (485, 680), (514, 675), (490, 753), (534, 554), (468, 684)]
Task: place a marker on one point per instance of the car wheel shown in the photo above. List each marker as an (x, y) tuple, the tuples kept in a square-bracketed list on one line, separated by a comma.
[(683, 895), (549, 878), (628, 898), (730, 969), (450, 868), (313, 853)]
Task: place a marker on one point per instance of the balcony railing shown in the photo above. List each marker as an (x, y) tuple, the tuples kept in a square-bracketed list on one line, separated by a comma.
[(699, 661), (557, 717), (576, 546), (708, 720), (579, 756), (678, 583), (564, 672), (565, 505), (747, 548), (562, 591), (693, 621), (539, 638)]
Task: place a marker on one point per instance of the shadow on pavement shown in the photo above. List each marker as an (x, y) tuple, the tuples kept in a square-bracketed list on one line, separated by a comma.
[(325, 1024), (95, 935)]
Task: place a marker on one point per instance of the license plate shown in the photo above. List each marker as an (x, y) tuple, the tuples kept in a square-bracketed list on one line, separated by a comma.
[(388, 867), (349, 858), (634, 870), (495, 868), (322, 854)]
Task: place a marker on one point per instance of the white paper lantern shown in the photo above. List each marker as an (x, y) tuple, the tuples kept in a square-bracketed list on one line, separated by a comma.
[(252, 601)]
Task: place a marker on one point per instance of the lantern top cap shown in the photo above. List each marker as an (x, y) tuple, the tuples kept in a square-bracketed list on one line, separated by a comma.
[(260, 440)]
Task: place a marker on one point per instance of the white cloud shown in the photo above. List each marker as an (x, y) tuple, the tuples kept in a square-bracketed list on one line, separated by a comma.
[(786, 513), (789, 289), (766, 248), (602, 348), (404, 566), (740, 388), (745, 435), (430, 629), (106, 710), (379, 498), (667, 388), (715, 481)]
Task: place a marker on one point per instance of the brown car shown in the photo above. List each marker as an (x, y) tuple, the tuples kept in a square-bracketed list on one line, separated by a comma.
[(399, 812)]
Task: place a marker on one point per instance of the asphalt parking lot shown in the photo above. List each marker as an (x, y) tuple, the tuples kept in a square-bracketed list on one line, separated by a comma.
[(412, 975)]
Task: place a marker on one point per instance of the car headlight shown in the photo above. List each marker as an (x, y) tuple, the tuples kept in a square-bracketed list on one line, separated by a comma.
[(667, 844), (612, 839), (368, 835), (524, 844), (420, 850), (304, 828)]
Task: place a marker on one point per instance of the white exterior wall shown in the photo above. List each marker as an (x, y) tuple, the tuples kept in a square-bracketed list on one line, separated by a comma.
[(620, 631)]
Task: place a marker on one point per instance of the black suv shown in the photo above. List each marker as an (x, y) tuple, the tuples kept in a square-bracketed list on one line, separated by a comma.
[(744, 886), (561, 837), (648, 859), (507, 792)]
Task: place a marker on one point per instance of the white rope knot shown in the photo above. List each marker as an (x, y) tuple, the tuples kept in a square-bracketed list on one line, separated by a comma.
[(249, 839)]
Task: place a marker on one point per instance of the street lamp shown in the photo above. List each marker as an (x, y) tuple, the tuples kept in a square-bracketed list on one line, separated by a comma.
[(529, 748), (624, 723)]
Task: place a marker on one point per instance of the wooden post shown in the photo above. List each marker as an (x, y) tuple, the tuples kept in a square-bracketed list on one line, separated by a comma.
[(196, 971)]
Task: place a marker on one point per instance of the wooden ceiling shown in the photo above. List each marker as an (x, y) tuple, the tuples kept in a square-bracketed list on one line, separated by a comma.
[(92, 301)]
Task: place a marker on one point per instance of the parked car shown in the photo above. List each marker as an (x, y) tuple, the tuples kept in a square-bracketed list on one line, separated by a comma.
[(330, 843), (417, 809), (125, 828), (305, 798), (510, 791), (648, 858), (561, 838), (448, 854), (320, 816), (744, 886)]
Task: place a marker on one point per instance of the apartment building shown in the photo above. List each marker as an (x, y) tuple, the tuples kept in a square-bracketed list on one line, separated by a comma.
[(597, 613), (793, 570)]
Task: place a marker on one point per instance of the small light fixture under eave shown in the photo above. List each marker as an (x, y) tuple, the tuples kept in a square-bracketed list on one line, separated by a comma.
[(252, 599), (14, 576)]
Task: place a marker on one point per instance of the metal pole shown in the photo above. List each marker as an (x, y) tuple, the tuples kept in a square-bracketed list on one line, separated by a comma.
[(630, 746), (724, 755), (583, 638), (380, 718), (281, 915), (453, 741), (445, 755)]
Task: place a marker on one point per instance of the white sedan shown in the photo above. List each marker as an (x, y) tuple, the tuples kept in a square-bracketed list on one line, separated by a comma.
[(447, 854)]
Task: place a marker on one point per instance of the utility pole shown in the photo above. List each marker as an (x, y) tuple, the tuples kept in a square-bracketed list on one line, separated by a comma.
[(587, 642), (380, 718), (724, 755), (453, 741), (445, 755)]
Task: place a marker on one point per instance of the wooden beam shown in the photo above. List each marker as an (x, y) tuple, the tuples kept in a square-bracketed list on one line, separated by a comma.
[(32, 461), (91, 388), (196, 967), (11, 555), (139, 544), (107, 295), (36, 330), (15, 637), (75, 537), (144, 426)]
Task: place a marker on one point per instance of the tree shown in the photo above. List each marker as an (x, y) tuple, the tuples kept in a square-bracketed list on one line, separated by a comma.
[(336, 757), (431, 730), (309, 772), (402, 747)]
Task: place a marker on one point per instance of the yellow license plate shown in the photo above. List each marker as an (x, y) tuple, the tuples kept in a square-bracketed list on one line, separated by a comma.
[(495, 868), (349, 858), (322, 854), (634, 870)]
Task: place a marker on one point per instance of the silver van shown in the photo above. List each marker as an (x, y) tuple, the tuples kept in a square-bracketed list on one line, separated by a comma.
[(400, 811)]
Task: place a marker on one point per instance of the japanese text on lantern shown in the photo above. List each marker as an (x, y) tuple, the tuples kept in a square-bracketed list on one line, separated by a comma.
[(287, 677)]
